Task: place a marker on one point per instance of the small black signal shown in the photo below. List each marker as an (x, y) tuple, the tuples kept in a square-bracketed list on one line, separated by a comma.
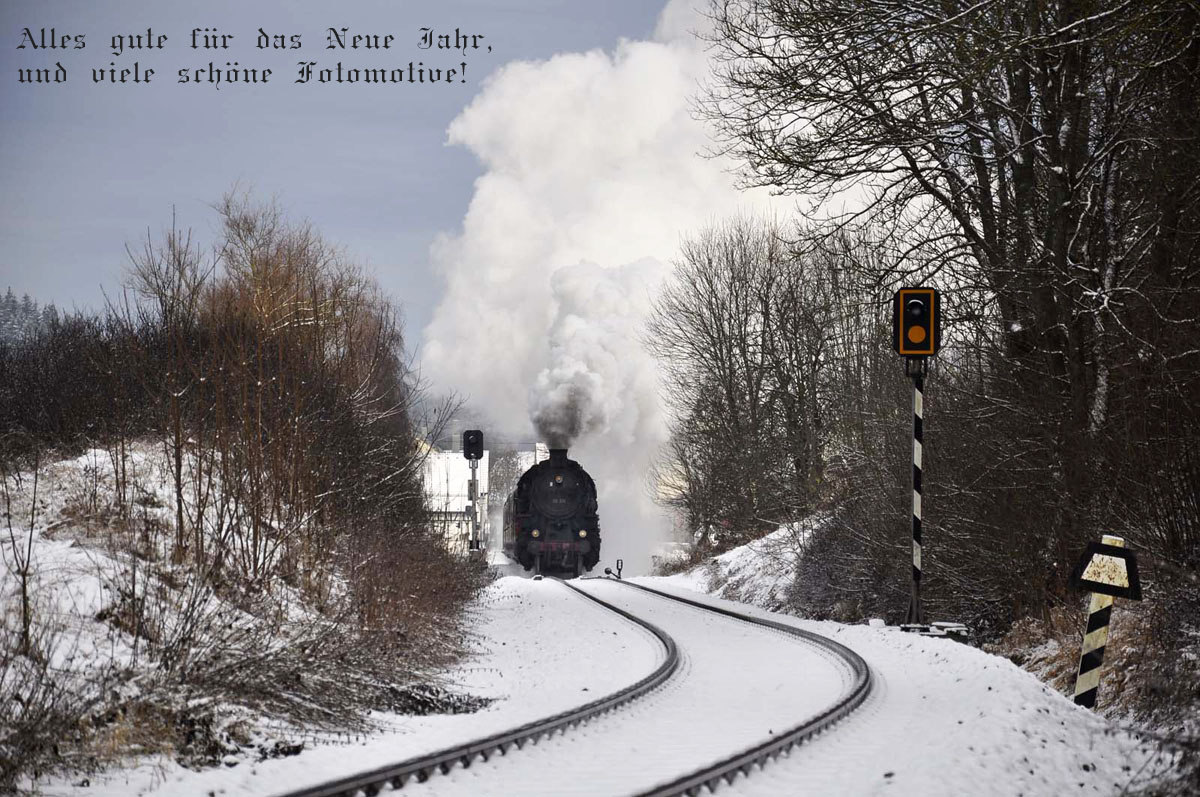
[(916, 322), (472, 444)]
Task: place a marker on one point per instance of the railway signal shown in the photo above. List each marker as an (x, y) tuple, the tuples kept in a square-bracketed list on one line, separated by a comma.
[(1108, 570), (472, 447), (916, 322), (917, 335), (472, 444)]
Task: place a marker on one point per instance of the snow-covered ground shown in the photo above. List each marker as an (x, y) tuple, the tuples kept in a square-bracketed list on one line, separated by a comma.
[(541, 649), (948, 719), (944, 718), (734, 688)]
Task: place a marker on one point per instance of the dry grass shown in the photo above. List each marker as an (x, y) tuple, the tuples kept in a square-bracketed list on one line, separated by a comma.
[(673, 565), (1051, 649), (1151, 675)]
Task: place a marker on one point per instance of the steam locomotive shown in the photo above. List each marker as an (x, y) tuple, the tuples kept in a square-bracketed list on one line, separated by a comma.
[(550, 520)]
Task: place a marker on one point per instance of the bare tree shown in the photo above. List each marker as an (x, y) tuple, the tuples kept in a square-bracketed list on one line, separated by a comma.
[(740, 329), (1037, 161)]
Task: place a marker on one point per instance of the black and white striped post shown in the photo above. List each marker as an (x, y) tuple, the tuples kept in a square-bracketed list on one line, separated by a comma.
[(916, 614)]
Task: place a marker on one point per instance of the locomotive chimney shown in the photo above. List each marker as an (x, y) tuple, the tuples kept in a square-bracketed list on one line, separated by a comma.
[(558, 455)]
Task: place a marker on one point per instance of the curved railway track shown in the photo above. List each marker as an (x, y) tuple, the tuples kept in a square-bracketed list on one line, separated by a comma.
[(708, 777), (743, 762), (421, 768)]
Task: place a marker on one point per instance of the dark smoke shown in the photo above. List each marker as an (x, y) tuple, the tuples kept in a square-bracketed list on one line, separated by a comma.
[(560, 420)]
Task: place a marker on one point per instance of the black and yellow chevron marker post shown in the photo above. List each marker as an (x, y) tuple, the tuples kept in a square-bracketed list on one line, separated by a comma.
[(1087, 682), (1109, 571)]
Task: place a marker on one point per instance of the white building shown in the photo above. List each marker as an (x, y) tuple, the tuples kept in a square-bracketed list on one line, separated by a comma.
[(527, 459), (447, 479)]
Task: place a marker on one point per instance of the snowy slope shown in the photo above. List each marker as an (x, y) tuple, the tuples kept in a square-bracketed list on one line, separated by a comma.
[(758, 573), (945, 719)]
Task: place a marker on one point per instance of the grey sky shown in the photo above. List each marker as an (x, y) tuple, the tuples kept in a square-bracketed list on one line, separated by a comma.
[(87, 167)]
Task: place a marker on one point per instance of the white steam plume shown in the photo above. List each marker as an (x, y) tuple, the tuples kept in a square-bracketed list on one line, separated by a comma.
[(593, 175), (593, 384)]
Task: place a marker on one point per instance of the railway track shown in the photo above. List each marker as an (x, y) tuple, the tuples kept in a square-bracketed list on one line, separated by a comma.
[(743, 762), (421, 768), (856, 683)]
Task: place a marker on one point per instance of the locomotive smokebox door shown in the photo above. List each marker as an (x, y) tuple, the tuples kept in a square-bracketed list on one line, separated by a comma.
[(472, 444)]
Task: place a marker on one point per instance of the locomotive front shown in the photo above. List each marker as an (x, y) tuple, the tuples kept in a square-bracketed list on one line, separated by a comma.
[(550, 521)]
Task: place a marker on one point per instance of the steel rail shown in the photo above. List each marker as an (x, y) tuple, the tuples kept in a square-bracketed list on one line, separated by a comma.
[(421, 768), (744, 762)]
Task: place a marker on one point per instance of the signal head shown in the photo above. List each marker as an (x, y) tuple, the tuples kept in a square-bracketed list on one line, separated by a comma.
[(472, 444), (916, 323)]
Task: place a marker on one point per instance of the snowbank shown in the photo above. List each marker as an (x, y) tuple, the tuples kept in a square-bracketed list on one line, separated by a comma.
[(115, 653), (948, 719), (759, 573)]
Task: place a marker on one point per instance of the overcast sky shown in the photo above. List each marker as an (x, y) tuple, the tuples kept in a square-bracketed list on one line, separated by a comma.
[(90, 166)]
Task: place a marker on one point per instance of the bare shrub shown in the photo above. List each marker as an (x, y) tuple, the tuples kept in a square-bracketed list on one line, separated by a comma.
[(41, 712), (270, 547), (406, 585), (672, 565)]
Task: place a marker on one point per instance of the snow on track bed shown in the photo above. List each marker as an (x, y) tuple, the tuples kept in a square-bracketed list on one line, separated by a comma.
[(737, 685), (421, 768), (541, 649), (947, 719)]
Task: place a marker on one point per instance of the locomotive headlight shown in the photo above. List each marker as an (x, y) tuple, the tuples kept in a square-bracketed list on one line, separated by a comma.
[(535, 533), (582, 533)]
